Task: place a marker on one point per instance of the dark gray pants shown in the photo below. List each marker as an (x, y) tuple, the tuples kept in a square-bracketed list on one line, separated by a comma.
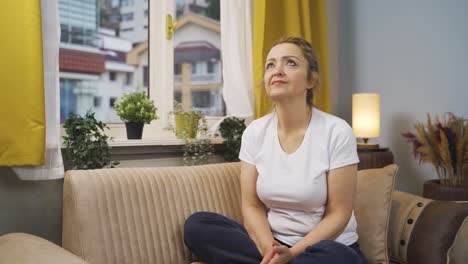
[(214, 239)]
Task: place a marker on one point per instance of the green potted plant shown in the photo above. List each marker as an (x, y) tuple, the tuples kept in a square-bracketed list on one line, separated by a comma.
[(192, 127), (136, 109), (187, 123), (197, 151), (85, 142), (445, 146), (231, 130)]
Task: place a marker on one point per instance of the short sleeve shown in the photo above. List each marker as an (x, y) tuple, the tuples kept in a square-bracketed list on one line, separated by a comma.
[(248, 148), (343, 147)]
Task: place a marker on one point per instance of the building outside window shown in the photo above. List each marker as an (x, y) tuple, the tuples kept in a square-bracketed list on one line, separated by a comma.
[(92, 58), (100, 60)]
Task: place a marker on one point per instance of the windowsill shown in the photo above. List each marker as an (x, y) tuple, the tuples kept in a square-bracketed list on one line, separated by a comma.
[(154, 152), (123, 142), (162, 147)]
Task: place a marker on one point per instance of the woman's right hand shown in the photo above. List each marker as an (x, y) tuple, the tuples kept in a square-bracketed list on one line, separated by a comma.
[(269, 253)]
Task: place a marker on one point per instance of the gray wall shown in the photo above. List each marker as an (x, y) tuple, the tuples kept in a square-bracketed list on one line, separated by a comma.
[(415, 54), (33, 207)]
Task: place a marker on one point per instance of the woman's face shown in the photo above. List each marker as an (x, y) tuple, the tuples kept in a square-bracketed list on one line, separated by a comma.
[(286, 73)]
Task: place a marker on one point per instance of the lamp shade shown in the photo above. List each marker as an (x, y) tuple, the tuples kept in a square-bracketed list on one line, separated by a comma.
[(366, 115)]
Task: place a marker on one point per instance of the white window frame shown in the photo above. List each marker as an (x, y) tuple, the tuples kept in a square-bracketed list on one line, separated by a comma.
[(161, 74)]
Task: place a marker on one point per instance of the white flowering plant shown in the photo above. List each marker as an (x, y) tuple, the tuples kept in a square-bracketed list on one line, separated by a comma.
[(136, 107)]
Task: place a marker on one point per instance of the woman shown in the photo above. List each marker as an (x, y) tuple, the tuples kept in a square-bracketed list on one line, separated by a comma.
[(298, 178)]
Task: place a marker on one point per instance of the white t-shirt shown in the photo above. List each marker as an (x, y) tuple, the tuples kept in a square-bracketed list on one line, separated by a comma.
[(294, 186)]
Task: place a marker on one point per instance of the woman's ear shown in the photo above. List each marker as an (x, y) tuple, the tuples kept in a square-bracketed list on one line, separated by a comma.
[(313, 82)]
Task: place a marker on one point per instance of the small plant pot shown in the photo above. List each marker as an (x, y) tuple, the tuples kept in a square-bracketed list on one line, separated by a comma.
[(186, 125), (434, 190), (134, 130)]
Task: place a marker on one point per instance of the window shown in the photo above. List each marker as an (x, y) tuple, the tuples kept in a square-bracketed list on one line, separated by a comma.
[(112, 101), (124, 3), (96, 67), (112, 76), (128, 78), (177, 69), (114, 18), (95, 44), (199, 48), (127, 17), (77, 36), (194, 68), (64, 33), (210, 66), (97, 101), (201, 99)]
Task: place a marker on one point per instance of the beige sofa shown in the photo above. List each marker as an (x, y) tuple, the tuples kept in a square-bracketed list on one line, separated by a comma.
[(135, 215)]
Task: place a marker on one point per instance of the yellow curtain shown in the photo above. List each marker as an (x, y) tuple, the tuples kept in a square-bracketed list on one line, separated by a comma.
[(274, 19), (22, 117)]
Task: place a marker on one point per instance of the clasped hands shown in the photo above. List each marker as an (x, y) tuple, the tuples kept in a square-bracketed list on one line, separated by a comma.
[(277, 254)]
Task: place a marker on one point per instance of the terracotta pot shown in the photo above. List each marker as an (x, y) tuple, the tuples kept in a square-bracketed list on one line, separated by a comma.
[(434, 190)]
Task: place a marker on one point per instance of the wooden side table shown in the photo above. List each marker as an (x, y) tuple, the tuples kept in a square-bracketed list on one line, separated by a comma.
[(374, 158)]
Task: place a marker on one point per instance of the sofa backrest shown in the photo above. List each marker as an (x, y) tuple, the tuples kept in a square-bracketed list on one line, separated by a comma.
[(136, 215)]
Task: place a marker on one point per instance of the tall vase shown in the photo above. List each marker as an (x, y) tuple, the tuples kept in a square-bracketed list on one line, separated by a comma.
[(186, 125)]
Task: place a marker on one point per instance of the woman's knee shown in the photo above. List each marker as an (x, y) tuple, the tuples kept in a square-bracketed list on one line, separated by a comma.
[(330, 251), (196, 224)]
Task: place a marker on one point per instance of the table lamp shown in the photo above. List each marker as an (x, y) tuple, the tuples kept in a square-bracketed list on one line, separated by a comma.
[(366, 118)]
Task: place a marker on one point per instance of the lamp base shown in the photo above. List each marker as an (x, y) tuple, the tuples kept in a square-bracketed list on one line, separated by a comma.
[(362, 145)]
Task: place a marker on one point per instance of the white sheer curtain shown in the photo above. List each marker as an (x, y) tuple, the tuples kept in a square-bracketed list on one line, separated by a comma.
[(53, 167), (236, 46)]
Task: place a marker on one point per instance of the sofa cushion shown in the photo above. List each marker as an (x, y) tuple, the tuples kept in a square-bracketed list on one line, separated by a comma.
[(372, 210), (28, 249)]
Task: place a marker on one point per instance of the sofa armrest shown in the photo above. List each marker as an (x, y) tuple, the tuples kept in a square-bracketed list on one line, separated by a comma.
[(20, 248), (426, 231), (458, 253), (406, 209)]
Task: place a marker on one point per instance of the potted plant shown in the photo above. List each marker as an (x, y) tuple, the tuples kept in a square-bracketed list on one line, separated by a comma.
[(231, 130), (85, 142), (187, 123), (135, 109), (445, 146), (192, 127), (197, 151)]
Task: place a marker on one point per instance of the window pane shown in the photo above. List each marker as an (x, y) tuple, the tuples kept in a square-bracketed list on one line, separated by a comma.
[(103, 54), (197, 57)]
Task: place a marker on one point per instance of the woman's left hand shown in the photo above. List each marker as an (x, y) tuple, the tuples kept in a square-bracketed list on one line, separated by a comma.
[(282, 255)]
